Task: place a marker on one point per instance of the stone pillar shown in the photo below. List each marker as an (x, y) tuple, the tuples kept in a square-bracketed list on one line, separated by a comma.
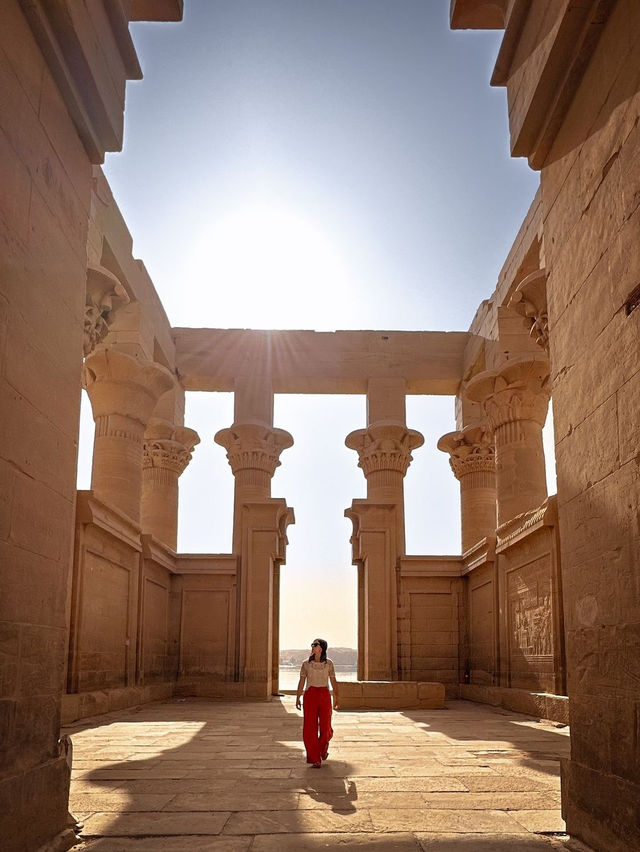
[(166, 453), (123, 393), (515, 399), (253, 448), (473, 462), (261, 553), (384, 454)]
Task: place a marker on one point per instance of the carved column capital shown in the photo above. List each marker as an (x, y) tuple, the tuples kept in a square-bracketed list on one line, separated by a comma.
[(384, 447), (123, 393), (517, 391), (471, 450), (253, 446), (530, 301), (119, 384), (168, 447), (105, 294)]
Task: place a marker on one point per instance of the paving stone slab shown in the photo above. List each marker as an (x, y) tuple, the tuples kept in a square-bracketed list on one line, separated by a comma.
[(149, 824), (432, 819), (166, 844), (314, 842), (489, 843), (301, 821), (478, 777)]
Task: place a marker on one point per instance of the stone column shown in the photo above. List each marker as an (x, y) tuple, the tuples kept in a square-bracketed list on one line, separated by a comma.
[(473, 462), (515, 399), (384, 455), (253, 448), (166, 453), (384, 447), (123, 393)]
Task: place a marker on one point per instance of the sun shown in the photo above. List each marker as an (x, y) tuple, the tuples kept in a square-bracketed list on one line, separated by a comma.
[(265, 266)]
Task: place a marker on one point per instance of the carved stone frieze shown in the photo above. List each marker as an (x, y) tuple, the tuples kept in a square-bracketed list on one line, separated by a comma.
[(384, 447), (530, 301), (105, 294), (471, 450), (253, 446)]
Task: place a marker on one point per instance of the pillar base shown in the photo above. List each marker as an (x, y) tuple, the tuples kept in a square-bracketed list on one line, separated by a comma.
[(601, 810), (34, 807)]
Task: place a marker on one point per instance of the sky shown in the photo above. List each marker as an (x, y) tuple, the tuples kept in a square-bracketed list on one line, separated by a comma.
[(328, 165)]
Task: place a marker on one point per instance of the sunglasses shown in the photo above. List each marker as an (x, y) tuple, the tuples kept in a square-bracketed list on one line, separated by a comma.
[(316, 645)]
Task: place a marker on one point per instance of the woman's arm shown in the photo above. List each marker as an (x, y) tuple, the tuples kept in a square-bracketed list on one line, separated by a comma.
[(300, 689), (334, 685)]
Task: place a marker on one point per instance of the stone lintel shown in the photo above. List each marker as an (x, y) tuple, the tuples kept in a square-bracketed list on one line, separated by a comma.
[(206, 563), (91, 510), (337, 362), (431, 566)]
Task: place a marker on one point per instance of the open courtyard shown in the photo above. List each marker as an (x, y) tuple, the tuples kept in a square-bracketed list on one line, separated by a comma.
[(189, 774)]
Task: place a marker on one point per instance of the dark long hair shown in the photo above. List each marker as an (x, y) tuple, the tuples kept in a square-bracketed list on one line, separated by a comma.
[(323, 655)]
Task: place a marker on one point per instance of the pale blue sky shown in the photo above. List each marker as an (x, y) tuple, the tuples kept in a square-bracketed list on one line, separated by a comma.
[(340, 164)]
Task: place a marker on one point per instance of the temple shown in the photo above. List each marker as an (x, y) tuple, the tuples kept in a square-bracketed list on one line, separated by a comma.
[(540, 613)]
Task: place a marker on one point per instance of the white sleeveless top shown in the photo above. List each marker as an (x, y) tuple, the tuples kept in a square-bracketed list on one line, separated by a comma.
[(317, 674)]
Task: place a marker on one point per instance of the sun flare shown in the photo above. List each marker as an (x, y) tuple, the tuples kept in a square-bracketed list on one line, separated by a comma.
[(264, 266)]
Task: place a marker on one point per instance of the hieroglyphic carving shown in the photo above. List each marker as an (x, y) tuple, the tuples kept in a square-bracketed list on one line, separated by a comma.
[(530, 614)]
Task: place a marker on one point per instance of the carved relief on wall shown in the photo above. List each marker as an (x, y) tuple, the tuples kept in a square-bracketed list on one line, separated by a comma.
[(530, 610)]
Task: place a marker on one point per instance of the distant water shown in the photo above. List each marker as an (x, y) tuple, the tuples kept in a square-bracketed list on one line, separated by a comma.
[(289, 677)]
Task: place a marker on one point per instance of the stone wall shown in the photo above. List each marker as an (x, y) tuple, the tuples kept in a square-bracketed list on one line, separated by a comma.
[(572, 75), (56, 123), (46, 190)]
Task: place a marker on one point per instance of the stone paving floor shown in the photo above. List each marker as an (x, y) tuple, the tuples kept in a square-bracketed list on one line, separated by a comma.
[(231, 777)]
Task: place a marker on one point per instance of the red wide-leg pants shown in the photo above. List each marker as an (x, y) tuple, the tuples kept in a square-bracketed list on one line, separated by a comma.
[(316, 728)]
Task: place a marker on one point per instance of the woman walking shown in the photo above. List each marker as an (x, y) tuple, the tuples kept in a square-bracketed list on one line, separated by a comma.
[(317, 671)]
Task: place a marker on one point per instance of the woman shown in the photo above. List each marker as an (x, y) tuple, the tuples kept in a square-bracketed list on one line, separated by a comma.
[(317, 671)]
